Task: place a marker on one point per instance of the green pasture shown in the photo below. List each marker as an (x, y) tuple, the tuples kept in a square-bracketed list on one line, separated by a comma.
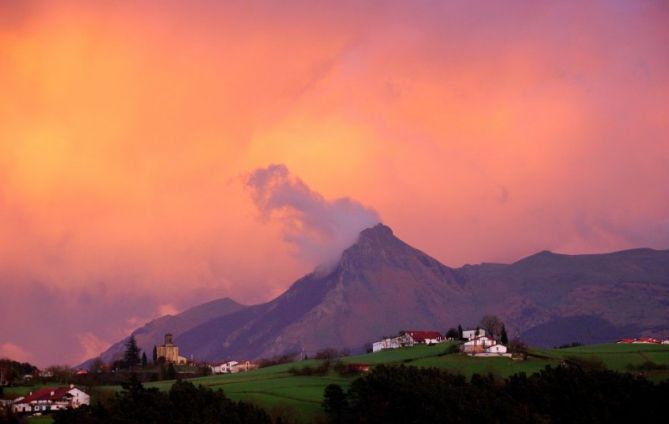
[(276, 389), (281, 392)]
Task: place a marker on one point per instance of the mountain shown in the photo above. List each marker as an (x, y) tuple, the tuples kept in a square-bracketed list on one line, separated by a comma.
[(152, 333), (381, 285)]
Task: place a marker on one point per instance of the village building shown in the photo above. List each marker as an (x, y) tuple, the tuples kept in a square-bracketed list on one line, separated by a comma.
[(387, 343), (425, 337), (170, 352), (472, 334), (50, 399), (485, 347), (232, 367), (407, 339), (477, 344)]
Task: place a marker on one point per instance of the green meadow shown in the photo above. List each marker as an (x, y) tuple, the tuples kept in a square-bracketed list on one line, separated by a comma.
[(299, 397), (276, 389)]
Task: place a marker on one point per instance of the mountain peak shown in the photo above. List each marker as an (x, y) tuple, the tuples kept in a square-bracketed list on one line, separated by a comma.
[(379, 232)]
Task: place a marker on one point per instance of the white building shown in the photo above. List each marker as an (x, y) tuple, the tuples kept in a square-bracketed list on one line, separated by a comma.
[(403, 340), (388, 343), (497, 348), (51, 399), (478, 344), (471, 334), (225, 368), (232, 367)]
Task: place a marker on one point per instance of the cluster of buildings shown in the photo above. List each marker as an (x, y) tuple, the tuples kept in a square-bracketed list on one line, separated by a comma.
[(476, 344), (169, 352), (50, 399), (644, 340), (408, 338)]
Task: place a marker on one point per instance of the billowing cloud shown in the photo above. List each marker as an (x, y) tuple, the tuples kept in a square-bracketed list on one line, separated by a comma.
[(320, 229)]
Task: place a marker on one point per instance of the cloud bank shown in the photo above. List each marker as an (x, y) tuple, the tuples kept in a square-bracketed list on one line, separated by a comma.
[(479, 131)]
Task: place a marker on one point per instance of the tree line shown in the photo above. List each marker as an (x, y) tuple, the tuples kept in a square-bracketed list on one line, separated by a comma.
[(184, 403), (571, 393)]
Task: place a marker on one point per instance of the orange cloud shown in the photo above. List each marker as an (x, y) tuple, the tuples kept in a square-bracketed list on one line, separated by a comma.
[(478, 132)]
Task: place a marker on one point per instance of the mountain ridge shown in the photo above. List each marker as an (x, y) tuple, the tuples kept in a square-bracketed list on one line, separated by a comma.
[(381, 285)]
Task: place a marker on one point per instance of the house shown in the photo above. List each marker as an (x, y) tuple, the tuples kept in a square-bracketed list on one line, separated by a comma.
[(478, 345), (665, 341), (626, 341), (224, 367), (50, 399), (425, 337), (387, 343), (170, 352), (471, 334), (359, 367), (403, 340), (646, 340), (495, 350), (231, 367)]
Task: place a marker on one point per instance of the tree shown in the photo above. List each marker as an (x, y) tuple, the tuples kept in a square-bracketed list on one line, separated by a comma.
[(335, 403), (518, 347), (504, 338), (155, 355), (460, 332), (144, 360), (131, 356), (492, 325), (97, 366), (171, 372), (452, 333)]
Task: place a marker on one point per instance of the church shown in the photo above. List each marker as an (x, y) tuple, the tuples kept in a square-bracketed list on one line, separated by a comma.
[(170, 352)]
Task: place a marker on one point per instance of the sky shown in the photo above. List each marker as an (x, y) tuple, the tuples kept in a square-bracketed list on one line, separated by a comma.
[(158, 154)]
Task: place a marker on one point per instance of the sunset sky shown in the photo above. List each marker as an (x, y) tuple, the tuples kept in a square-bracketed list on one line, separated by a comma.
[(158, 154)]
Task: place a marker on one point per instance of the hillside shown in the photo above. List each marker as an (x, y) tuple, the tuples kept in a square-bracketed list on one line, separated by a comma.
[(152, 333), (381, 285), (275, 388)]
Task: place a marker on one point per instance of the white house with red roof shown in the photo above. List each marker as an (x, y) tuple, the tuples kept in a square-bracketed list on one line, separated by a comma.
[(51, 399), (425, 337)]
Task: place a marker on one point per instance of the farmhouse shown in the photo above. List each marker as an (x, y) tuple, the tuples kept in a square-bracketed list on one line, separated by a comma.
[(477, 344), (408, 338), (51, 399), (472, 334), (403, 340), (425, 337), (170, 352), (643, 340), (231, 367)]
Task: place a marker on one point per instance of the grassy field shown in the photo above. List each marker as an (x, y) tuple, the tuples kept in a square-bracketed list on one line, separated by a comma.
[(277, 390)]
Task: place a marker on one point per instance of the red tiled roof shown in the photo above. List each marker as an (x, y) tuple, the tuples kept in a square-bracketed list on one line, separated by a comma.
[(48, 394), (420, 336)]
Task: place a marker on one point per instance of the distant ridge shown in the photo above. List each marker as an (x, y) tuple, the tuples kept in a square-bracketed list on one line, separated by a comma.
[(152, 333), (382, 285)]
